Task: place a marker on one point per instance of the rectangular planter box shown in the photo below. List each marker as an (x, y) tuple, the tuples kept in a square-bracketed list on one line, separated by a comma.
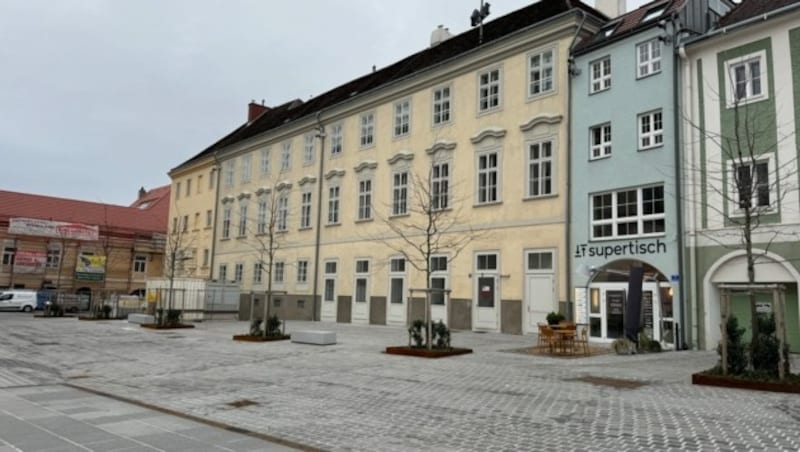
[(249, 338), (155, 326), (738, 383), (425, 353)]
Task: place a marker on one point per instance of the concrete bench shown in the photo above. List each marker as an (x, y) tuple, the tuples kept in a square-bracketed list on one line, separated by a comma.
[(141, 318), (314, 337)]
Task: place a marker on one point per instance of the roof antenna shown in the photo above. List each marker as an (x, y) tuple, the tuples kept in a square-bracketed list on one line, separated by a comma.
[(476, 19)]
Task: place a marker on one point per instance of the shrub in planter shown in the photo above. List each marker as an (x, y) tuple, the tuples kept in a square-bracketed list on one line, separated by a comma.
[(174, 316), (764, 349), (623, 346), (737, 358), (106, 310), (255, 328), (53, 310), (648, 345), (415, 334), (554, 318), (440, 335), (274, 326)]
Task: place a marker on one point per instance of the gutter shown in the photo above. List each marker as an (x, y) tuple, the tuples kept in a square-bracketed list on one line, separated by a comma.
[(747, 22), (321, 135), (217, 171), (568, 222)]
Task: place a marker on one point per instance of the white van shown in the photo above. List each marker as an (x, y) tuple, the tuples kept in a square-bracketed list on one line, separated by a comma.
[(18, 300)]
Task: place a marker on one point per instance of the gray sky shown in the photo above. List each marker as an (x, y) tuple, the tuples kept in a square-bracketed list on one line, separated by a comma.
[(100, 97)]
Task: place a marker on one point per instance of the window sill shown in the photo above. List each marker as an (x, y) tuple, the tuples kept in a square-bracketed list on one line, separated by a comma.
[(364, 220), (650, 148), (449, 122), (241, 237), (538, 197), (307, 228), (599, 91), (329, 225), (602, 157), (488, 204), (399, 215), (642, 77), (224, 239), (367, 147), (403, 136), (207, 228), (308, 163), (489, 111), (542, 95), (746, 101)]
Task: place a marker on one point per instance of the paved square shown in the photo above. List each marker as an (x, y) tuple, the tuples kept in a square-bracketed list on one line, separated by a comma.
[(351, 396)]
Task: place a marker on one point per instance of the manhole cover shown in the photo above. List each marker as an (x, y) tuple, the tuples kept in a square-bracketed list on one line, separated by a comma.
[(611, 382), (241, 403)]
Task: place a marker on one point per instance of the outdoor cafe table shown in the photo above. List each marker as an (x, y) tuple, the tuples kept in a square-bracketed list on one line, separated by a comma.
[(564, 336)]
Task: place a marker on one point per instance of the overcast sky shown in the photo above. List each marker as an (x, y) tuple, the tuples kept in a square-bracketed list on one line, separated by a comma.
[(100, 97)]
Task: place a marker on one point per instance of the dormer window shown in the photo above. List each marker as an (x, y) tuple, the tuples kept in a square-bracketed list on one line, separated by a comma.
[(654, 13)]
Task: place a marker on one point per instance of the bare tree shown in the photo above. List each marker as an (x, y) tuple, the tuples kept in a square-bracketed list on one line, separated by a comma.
[(751, 179), (431, 224), (268, 231), (177, 250)]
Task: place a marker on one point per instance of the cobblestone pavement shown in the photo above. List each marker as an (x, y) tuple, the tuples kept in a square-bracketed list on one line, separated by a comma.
[(350, 396)]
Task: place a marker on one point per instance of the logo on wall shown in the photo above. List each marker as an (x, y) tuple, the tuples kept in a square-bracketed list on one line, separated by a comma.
[(632, 248)]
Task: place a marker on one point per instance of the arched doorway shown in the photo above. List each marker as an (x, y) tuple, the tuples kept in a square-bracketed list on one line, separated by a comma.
[(607, 297), (731, 269)]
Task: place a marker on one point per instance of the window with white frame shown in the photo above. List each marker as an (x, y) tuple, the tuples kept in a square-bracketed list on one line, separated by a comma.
[(265, 157), (651, 130), (365, 199), (209, 218), (238, 272), (402, 117), (601, 75), (226, 222), (286, 156), (637, 212), (261, 216), (188, 187), (489, 90), (488, 177), (600, 141), (333, 204), (223, 272), (8, 252), (302, 271), (540, 168), (247, 161), (53, 255), (397, 279), (329, 293), (229, 168), (747, 79), (283, 212), (140, 263), (336, 139), (648, 58), (257, 273), (400, 193), (541, 72), (242, 220), (280, 268), (540, 261), (752, 185), (440, 185), (308, 149), (305, 209), (442, 105), (367, 129)]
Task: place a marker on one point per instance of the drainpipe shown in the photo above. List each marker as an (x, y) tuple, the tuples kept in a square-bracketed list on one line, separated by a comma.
[(680, 333), (691, 212), (217, 170), (321, 136), (567, 160)]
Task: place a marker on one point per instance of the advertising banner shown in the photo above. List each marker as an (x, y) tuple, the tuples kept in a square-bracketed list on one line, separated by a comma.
[(29, 261), (53, 229), (90, 268)]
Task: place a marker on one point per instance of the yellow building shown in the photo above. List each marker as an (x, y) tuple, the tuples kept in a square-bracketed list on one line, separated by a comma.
[(474, 130)]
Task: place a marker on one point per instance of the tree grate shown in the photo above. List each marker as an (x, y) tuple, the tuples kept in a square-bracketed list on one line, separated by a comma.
[(618, 383), (241, 403)]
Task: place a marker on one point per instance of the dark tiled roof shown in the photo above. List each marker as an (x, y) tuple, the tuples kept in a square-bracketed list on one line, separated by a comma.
[(448, 49), (630, 23), (752, 8), (26, 205)]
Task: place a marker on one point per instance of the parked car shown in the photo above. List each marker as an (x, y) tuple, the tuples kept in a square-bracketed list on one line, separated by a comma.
[(18, 300)]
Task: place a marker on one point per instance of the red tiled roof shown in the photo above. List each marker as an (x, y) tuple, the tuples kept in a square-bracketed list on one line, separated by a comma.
[(752, 8), (25, 205)]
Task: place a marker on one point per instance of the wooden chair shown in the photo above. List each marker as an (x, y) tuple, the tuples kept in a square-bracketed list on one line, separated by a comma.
[(582, 338), (547, 337), (542, 341)]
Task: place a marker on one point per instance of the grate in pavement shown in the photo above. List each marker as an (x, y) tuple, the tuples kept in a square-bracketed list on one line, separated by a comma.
[(241, 403), (618, 383)]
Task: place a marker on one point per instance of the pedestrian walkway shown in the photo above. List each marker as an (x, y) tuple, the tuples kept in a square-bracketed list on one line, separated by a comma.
[(353, 397), (59, 419)]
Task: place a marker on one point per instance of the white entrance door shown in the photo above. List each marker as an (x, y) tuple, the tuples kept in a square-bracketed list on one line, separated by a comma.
[(396, 307), (360, 313), (329, 293), (439, 298), (486, 299), (540, 299)]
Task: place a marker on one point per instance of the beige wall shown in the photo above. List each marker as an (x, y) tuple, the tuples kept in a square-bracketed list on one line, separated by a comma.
[(195, 206), (509, 227)]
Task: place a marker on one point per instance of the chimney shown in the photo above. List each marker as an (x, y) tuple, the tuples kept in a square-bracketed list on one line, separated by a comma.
[(255, 110), (611, 8), (142, 192)]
